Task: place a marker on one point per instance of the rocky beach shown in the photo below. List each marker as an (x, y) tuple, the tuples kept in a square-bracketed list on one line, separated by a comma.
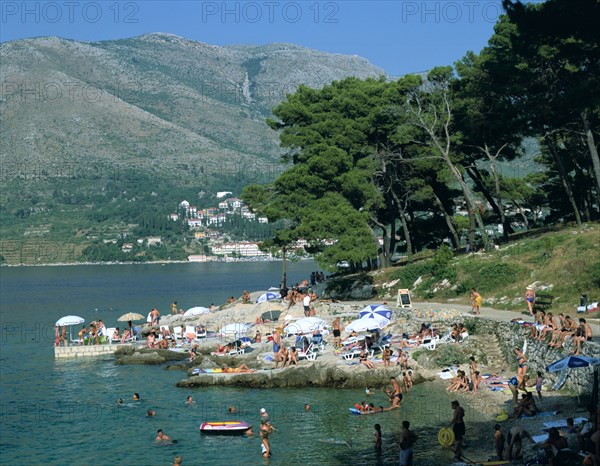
[(492, 338)]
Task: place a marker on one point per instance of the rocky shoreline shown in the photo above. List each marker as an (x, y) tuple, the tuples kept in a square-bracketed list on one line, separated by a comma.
[(488, 336)]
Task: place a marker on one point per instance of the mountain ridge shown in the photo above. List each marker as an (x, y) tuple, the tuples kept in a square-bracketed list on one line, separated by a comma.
[(91, 127)]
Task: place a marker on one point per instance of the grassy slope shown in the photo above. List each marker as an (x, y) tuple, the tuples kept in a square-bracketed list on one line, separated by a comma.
[(568, 259)]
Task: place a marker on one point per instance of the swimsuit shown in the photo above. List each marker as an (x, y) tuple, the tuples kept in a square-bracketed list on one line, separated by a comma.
[(336, 333), (531, 300), (459, 430), (406, 456)]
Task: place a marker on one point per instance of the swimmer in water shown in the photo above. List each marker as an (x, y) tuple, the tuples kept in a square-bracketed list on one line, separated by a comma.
[(161, 437)]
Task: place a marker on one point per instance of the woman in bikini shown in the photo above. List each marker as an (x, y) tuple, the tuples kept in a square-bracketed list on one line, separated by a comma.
[(363, 359), (530, 299), (472, 366), (522, 369)]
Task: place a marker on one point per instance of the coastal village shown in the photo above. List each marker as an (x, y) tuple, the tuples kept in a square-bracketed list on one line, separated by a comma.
[(207, 227)]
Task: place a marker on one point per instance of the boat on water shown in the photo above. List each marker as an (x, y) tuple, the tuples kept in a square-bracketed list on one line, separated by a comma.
[(225, 428)]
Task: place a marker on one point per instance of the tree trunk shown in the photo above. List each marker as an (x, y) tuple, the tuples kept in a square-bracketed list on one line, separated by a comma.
[(381, 255), (443, 145), (471, 231), (404, 223), (591, 143), (284, 272), (565, 180), (522, 213), (470, 200), (449, 220)]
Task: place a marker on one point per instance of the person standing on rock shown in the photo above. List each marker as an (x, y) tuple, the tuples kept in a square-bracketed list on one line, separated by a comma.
[(306, 304), (337, 332), (276, 341), (155, 316)]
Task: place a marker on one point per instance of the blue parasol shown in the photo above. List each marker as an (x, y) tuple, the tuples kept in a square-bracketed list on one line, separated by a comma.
[(373, 310), (267, 297), (572, 362)]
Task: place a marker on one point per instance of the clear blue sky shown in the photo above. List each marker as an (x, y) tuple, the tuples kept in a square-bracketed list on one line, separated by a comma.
[(399, 36)]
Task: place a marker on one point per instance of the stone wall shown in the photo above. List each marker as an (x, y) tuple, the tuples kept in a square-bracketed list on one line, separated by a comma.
[(78, 351), (540, 355)]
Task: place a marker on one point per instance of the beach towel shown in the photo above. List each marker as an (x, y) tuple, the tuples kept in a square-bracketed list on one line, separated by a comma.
[(547, 413), (563, 422)]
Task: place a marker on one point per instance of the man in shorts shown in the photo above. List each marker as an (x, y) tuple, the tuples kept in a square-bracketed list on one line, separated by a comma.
[(407, 440), (458, 427), (337, 341), (306, 304), (395, 395)]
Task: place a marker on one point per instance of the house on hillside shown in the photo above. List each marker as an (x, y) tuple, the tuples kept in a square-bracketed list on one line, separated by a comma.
[(154, 240), (235, 203), (194, 222)]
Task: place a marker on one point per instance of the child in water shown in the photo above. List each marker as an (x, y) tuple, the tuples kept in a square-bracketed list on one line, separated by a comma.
[(377, 436)]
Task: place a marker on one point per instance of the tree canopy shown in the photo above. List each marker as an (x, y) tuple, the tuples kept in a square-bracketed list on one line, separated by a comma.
[(380, 167)]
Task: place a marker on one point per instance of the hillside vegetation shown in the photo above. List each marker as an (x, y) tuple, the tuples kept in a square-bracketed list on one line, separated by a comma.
[(98, 136), (564, 263)]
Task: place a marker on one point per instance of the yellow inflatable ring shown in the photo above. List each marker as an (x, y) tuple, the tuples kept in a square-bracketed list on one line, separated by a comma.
[(503, 416), (446, 437)]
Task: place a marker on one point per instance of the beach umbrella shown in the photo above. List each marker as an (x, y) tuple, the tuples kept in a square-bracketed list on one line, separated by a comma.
[(70, 320), (270, 315), (305, 325), (196, 311), (235, 329), (375, 309), (573, 362), (268, 296), (362, 325), (130, 316), (376, 318)]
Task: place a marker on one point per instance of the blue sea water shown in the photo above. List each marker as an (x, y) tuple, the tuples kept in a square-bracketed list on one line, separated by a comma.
[(62, 412)]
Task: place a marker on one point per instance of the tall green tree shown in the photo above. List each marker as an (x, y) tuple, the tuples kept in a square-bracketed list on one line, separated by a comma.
[(545, 63)]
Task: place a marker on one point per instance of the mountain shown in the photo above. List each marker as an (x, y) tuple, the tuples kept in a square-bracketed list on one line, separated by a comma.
[(100, 141), (158, 103)]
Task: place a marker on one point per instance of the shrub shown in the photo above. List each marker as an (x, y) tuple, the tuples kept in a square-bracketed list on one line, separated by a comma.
[(490, 275), (450, 355)]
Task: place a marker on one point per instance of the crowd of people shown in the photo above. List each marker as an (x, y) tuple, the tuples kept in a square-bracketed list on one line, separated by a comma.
[(555, 331)]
